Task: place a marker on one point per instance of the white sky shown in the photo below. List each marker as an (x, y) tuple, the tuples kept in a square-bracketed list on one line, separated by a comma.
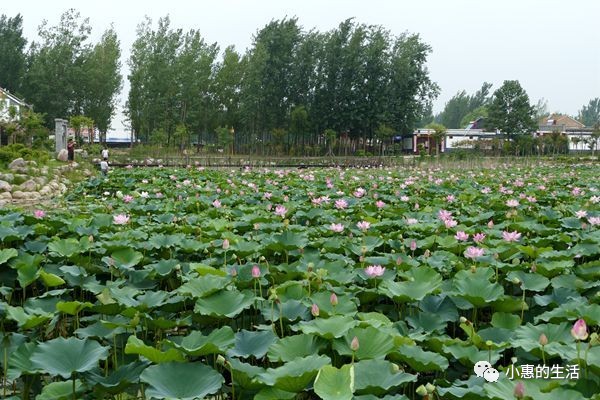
[(550, 46)]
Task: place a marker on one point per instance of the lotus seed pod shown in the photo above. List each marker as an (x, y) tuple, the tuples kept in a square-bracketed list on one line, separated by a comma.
[(430, 388), (463, 320), (421, 391)]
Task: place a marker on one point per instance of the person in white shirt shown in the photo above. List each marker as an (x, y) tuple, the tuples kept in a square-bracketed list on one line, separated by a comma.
[(105, 153), (104, 166)]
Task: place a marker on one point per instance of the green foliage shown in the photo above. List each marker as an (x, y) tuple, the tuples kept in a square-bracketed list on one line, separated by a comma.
[(589, 115), (510, 111), (12, 52), (10, 152), (461, 105)]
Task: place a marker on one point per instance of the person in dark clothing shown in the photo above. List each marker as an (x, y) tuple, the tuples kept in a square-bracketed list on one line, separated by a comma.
[(71, 150)]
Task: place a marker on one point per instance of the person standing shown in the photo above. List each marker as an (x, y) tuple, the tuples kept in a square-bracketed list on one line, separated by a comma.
[(105, 153), (104, 166), (71, 151)]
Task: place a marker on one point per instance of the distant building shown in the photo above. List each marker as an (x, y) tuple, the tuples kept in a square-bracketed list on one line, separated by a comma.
[(9, 104), (558, 123)]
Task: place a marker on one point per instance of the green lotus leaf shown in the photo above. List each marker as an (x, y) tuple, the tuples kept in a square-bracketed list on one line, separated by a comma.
[(335, 384), (51, 280), (245, 375), (72, 307), (203, 286), (469, 355), (328, 328), (117, 381), (27, 268), (420, 282), (66, 247), (274, 394), (373, 343), (61, 390), (288, 241), (20, 361), (528, 336), (296, 375), (572, 310), (291, 347), (529, 281), (476, 287), (137, 346), (216, 342), (66, 356), (126, 258), (26, 320), (345, 306), (226, 303), (252, 343), (419, 359), (506, 321), (290, 310), (7, 254), (183, 381), (163, 267), (378, 377)]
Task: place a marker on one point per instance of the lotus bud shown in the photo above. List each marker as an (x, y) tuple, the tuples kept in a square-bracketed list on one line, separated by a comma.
[(519, 390), (221, 360), (513, 360), (233, 272), (314, 310), (310, 267), (430, 388), (225, 244), (333, 299), (413, 245), (533, 268), (579, 330), (399, 261), (516, 281), (255, 272), (543, 339), (421, 391), (91, 238), (354, 345), (427, 253)]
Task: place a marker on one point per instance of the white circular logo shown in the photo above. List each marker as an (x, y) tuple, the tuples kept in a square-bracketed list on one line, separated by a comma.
[(484, 369)]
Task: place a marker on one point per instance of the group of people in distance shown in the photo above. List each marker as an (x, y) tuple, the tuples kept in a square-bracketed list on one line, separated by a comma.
[(103, 162)]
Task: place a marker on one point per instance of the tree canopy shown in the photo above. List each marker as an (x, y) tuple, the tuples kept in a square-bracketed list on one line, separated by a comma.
[(510, 110)]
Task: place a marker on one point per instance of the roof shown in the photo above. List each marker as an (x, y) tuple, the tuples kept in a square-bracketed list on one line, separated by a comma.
[(4, 93), (560, 121)]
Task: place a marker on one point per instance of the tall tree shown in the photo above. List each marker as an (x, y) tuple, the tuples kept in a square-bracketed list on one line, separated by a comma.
[(102, 81), (589, 115), (463, 104), (12, 52), (510, 110), (55, 78)]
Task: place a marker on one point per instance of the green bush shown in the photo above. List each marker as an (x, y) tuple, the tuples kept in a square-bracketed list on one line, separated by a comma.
[(18, 150)]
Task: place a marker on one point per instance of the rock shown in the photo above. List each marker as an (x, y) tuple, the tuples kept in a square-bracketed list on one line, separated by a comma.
[(54, 185), (7, 177), (44, 170), (40, 180), (28, 186), (6, 196), (62, 187), (63, 155), (87, 172), (31, 163), (17, 163), (5, 186), (45, 191), (3, 203), (18, 195)]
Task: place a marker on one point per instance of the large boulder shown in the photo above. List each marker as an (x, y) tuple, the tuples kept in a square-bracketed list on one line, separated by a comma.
[(17, 163), (7, 177), (28, 186), (18, 195), (6, 196), (63, 155), (5, 186)]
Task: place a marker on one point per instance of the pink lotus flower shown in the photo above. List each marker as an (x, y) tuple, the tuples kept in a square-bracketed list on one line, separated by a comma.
[(404, 198), (512, 203), (511, 236), (39, 214), (225, 244), (280, 210), (531, 199), (519, 391), (314, 310), (581, 214), (479, 237), (444, 215), (473, 252), (363, 225), (594, 221), (486, 190), (379, 204), (354, 345), (341, 204), (216, 203), (579, 330), (333, 299), (360, 192), (450, 223), (255, 272), (411, 221), (267, 196), (144, 195), (461, 236), (127, 198), (159, 195), (450, 198), (595, 199), (413, 245), (490, 224), (336, 228), (373, 271), (120, 219)]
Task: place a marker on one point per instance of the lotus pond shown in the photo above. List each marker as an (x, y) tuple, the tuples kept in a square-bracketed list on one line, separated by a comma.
[(306, 284)]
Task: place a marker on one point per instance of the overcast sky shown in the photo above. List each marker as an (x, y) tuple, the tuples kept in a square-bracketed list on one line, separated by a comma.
[(551, 46)]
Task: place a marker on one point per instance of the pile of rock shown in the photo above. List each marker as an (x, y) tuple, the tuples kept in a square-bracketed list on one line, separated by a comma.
[(28, 183)]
